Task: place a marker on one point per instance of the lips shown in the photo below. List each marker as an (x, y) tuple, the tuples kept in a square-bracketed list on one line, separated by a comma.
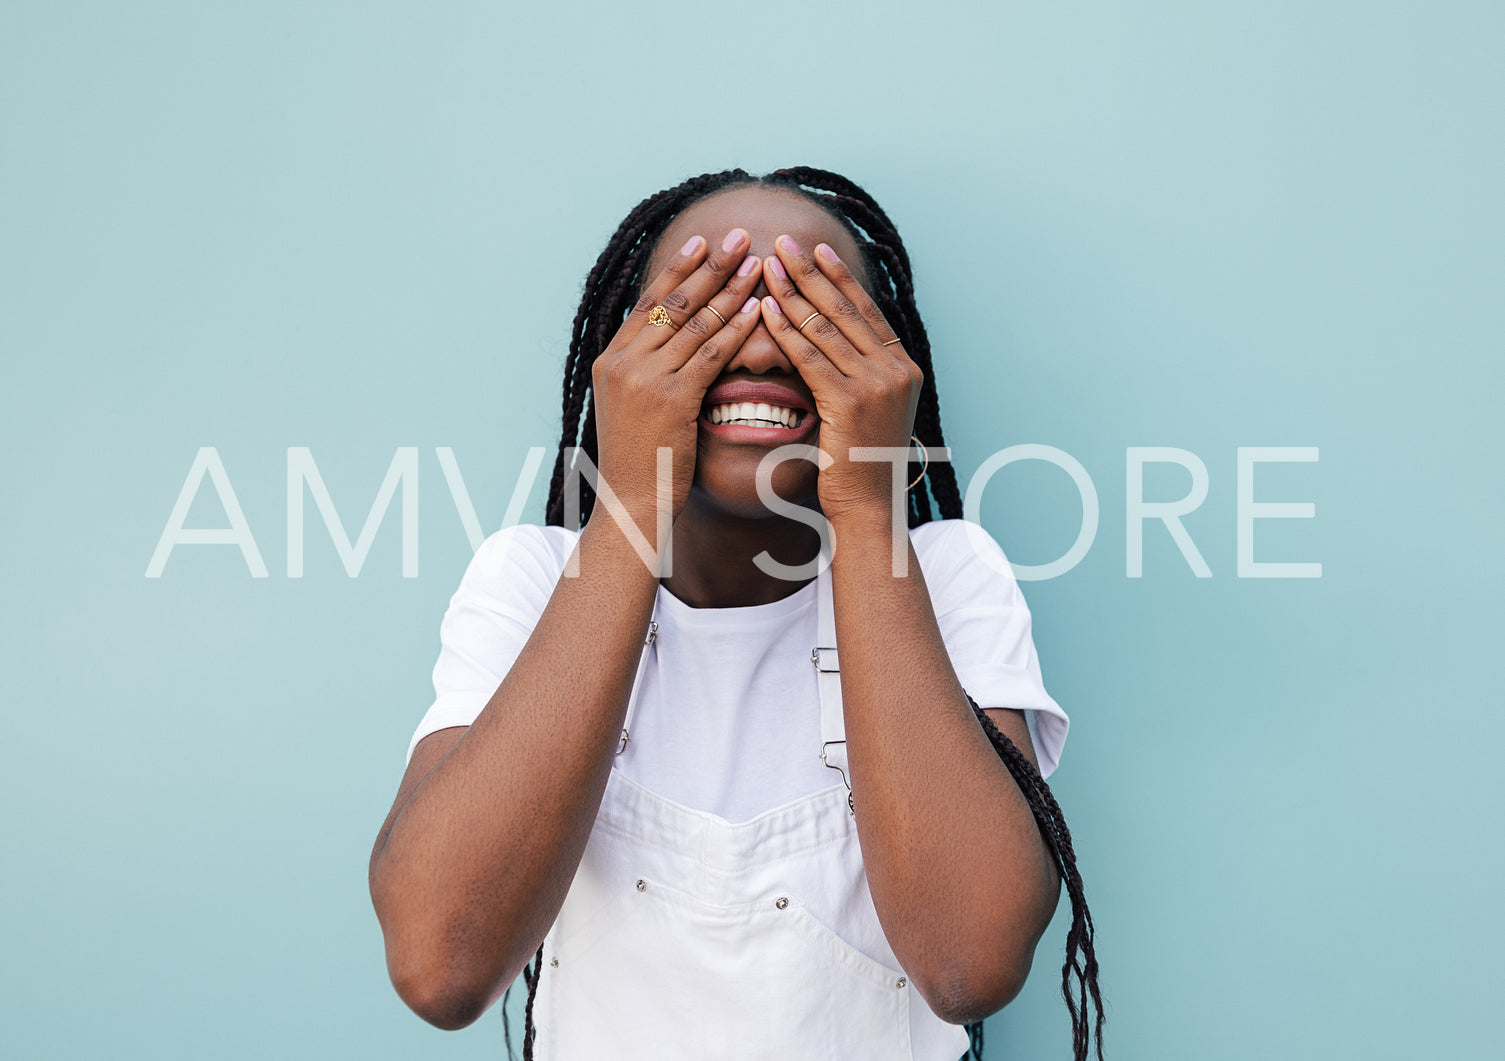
[(757, 411)]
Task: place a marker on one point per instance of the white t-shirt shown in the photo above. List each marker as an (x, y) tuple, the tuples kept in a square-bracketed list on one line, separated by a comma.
[(728, 715)]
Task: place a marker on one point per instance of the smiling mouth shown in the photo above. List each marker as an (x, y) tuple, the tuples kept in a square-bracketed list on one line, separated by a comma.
[(755, 414)]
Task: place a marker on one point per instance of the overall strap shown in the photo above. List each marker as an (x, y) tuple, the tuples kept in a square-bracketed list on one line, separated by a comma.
[(650, 642), (833, 736)]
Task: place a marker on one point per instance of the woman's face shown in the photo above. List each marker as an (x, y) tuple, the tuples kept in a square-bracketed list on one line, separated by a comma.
[(725, 466)]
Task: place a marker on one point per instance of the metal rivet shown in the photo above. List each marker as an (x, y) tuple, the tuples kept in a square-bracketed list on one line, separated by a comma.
[(642, 885), (554, 962), (902, 981), (781, 903)]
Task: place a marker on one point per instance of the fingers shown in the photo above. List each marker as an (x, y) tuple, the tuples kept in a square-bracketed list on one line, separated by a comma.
[(814, 367), (691, 294), (715, 316), (835, 270), (708, 358), (683, 286), (816, 310), (680, 268)]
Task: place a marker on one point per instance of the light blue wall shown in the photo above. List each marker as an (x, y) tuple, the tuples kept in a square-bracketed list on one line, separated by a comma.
[(355, 227)]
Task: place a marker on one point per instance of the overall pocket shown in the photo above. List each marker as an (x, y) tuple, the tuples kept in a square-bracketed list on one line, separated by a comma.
[(658, 974)]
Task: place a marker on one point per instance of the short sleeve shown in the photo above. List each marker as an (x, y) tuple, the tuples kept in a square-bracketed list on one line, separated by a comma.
[(490, 618), (985, 625)]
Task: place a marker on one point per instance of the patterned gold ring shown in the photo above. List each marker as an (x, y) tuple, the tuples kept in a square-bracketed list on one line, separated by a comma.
[(659, 317)]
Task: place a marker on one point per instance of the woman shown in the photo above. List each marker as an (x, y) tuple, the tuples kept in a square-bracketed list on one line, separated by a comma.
[(627, 774)]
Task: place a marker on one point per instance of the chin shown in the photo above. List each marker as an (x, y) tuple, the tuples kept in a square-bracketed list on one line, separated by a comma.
[(738, 498)]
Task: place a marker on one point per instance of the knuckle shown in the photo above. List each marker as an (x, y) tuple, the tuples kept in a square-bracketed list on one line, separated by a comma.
[(823, 327), (645, 302), (709, 353), (697, 326), (806, 267), (676, 300), (846, 313), (719, 261)]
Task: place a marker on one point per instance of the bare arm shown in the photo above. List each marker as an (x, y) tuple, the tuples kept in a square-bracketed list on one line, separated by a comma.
[(960, 877), (962, 881), (475, 859)]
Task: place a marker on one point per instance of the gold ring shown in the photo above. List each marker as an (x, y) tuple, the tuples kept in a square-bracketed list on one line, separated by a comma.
[(659, 317), (718, 316), (808, 320), (891, 342), (924, 455)]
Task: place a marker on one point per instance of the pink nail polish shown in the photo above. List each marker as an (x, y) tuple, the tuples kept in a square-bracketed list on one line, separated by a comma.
[(750, 305), (789, 245), (773, 304), (749, 265), (733, 240), (691, 246), (828, 254), (778, 268)]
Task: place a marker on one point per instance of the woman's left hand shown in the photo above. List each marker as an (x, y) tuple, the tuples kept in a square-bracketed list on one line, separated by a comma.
[(865, 391)]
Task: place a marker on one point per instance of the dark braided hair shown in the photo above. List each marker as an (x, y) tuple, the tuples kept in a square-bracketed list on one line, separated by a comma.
[(611, 290)]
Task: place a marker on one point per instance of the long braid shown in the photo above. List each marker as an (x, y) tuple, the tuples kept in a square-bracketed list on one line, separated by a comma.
[(1081, 955), (609, 294), (528, 1030)]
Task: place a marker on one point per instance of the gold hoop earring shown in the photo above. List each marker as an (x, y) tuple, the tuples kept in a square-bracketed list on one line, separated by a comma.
[(925, 459)]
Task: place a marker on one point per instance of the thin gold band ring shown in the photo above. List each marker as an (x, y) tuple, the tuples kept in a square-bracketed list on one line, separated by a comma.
[(718, 315), (808, 320), (891, 342)]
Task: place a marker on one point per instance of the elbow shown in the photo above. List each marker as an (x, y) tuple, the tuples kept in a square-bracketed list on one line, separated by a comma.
[(442, 994), (971, 989), (450, 985), (443, 979), (975, 981)]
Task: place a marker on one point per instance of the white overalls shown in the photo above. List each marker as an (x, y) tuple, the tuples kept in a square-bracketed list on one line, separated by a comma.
[(685, 936)]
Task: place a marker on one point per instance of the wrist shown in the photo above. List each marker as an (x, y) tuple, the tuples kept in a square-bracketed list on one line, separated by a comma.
[(627, 545), (868, 529)]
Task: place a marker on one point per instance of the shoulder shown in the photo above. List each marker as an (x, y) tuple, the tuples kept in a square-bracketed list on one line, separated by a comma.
[(962, 562), (524, 558)]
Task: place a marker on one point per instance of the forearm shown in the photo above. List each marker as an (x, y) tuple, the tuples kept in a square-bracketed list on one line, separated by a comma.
[(475, 866), (961, 879)]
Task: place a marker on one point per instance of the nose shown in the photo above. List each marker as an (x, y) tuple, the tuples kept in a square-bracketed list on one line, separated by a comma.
[(760, 355)]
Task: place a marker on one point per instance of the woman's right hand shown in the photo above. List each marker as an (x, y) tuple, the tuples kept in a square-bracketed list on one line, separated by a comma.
[(651, 379)]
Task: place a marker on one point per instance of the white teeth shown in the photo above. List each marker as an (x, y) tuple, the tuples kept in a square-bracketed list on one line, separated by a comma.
[(755, 414)]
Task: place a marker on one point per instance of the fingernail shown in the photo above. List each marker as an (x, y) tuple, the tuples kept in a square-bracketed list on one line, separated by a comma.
[(733, 239), (750, 305), (789, 245), (778, 268), (749, 265), (773, 304), (827, 253), (691, 246)]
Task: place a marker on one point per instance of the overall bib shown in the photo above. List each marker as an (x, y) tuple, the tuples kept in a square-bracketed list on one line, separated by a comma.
[(685, 936)]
